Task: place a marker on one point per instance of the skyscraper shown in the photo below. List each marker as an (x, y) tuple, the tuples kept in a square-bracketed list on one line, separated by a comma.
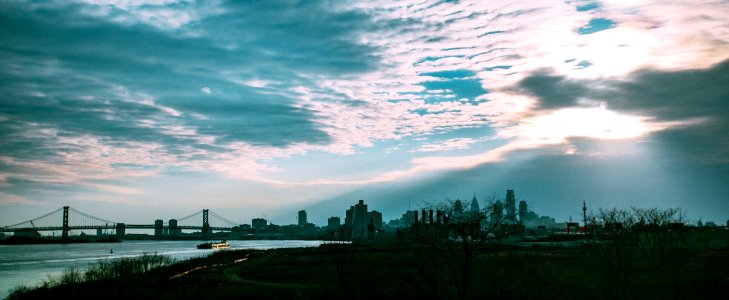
[(357, 218), (376, 217), (523, 211), (510, 205), (474, 204), (302, 218)]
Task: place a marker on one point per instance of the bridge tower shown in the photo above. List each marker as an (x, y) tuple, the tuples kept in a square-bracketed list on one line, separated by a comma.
[(206, 225), (65, 229)]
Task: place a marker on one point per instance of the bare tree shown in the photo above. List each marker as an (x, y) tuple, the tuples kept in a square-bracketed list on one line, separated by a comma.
[(460, 236)]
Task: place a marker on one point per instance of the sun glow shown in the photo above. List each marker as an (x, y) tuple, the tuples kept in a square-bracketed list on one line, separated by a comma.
[(595, 123)]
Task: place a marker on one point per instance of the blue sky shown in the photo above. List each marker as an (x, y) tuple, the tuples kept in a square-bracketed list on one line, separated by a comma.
[(136, 110)]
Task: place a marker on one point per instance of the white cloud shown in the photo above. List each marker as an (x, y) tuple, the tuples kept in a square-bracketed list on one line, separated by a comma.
[(447, 145)]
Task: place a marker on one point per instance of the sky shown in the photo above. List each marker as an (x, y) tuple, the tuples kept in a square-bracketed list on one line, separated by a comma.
[(135, 110)]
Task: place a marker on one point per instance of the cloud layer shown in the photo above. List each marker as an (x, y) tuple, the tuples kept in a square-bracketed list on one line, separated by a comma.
[(100, 95)]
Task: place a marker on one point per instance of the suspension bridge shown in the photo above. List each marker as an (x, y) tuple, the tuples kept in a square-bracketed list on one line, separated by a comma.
[(67, 218)]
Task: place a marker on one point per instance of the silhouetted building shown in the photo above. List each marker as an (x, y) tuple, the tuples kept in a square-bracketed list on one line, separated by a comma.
[(174, 229), (376, 218), (371, 230), (523, 212), (302, 218), (408, 218), (333, 223), (510, 206), (158, 228), (120, 230), (497, 212), (259, 224), (26, 232), (359, 218), (475, 208)]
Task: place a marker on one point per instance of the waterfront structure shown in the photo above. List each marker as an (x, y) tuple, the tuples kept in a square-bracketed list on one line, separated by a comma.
[(302, 218), (158, 228), (174, 229), (259, 224), (120, 230)]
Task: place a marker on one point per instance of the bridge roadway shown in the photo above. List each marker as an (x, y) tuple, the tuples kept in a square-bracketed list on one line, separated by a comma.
[(126, 226)]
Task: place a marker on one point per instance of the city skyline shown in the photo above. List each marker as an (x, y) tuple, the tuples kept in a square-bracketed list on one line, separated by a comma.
[(155, 109)]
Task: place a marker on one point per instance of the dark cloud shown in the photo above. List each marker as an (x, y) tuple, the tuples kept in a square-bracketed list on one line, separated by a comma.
[(556, 185), (553, 91), (690, 95)]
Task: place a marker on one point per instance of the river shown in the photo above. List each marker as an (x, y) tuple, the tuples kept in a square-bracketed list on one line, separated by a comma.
[(29, 264)]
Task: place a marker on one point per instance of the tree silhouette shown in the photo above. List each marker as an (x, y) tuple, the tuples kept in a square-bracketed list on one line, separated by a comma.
[(460, 236)]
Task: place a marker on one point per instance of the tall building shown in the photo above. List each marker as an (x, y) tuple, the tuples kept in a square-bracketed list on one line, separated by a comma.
[(357, 218), (174, 229), (497, 212), (360, 218), (302, 218), (475, 208), (376, 218), (510, 205), (158, 228), (523, 211)]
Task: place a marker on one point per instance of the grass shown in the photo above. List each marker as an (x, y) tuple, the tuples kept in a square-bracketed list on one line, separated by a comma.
[(405, 270)]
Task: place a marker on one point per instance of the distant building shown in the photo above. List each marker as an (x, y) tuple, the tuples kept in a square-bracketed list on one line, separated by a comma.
[(259, 224), (174, 229), (497, 212), (523, 212), (158, 228), (475, 208), (510, 206), (333, 223), (357, 218), (31, 233), (360, 218), (302, 218), (376, 218), (408, 218)]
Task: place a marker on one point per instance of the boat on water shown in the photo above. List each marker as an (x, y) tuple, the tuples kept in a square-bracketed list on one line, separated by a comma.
[(221, 245)]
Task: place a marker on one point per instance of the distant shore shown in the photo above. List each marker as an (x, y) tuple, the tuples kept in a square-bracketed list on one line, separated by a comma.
[(21, 240)]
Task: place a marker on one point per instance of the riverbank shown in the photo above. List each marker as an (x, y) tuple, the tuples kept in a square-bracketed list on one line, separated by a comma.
[(388, 270), (23, 240)]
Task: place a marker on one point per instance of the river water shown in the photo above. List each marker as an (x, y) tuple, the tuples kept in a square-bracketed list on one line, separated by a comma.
[(29, 264)]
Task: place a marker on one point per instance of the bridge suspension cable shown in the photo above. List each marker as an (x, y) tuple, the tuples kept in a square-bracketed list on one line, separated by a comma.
[(35, 219), (90, 216), (224, 219), (190, 216)]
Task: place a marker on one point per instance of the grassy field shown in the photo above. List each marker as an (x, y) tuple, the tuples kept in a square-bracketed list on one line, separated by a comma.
[(402, 269)]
